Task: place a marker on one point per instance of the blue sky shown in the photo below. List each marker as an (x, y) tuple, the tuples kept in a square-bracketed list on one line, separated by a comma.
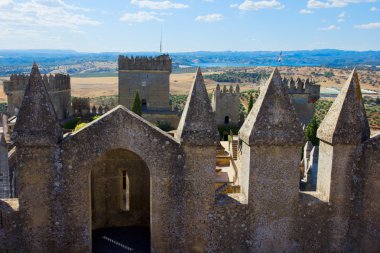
[(189, 25)]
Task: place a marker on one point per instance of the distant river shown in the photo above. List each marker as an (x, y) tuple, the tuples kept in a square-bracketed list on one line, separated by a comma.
[(233, 64)]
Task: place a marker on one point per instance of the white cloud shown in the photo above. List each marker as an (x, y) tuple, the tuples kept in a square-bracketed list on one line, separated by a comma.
[(258, 5), (305, 11), (315, 4), (330, 28), (158, 5), (374, 9), (234, 5), (5, 2), (341, 17), (42, 13), (141, 16), (368, 26), (210, 18)]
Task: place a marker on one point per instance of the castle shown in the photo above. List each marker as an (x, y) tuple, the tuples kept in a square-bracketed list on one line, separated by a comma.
[(120, 171), (150, 77), (226, 105), (304, 94), (58, 86)]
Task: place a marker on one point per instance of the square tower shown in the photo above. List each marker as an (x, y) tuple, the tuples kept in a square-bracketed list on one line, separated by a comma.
[(149, 76)]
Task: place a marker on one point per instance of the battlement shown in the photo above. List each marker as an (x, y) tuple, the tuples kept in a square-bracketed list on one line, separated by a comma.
[(159, 63), (173, 179), (299, 86), (226, 90), (226, 105), (18, 82)]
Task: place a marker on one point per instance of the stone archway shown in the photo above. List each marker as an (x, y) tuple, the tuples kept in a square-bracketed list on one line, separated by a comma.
[(120, 202), (120, 129)]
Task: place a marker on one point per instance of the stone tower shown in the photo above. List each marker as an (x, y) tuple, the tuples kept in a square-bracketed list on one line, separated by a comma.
[(149, 76), (199, 135), (226, 105), (58, 87), (271, 185), (36, 134), (343, 130)]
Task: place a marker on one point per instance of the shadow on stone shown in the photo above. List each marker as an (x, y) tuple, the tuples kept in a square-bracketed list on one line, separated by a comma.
[(124, 239)]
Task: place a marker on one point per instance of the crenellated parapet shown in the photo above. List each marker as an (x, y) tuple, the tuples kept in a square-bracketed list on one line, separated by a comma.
[(18, 82), (60, 179), (58, 87), (300, 86), (226, 104), (81, 106), (229, 90), (159, 63)]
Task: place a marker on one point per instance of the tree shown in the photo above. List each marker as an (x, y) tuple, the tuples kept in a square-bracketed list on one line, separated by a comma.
[(250, 103), (311, 131), (136, 106)]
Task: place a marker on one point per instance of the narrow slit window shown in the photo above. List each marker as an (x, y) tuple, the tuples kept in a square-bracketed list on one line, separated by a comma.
[(125, 192)]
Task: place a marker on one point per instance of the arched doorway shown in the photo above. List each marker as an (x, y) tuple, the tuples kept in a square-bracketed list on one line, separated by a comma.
[(144, 105), (226, 120), (120, 203)]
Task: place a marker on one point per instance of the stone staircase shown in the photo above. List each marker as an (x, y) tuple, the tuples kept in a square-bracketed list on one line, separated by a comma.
[(235, 144), (221, 189)]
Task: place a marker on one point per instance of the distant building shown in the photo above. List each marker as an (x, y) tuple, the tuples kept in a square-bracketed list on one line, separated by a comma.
[(226, 105), (149, 76), (304, 94), (58, 87)]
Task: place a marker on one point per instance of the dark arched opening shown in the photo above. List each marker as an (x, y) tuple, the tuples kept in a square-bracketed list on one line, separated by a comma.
[(120, 203), (226, 120), (143, 104)]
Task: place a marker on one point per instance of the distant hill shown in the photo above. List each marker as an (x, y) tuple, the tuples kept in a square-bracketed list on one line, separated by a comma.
[(72, 62)]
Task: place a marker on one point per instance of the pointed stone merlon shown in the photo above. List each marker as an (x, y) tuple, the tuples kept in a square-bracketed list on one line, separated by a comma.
[(344, 128), (272, 120), (346, 122), (272, 139), (197, 125), (199, 136), (37, 122), (36, 134)]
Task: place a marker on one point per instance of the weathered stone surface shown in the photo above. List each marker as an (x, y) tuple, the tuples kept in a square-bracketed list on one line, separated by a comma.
[(365, 214), (346, 121), (37, 122), (58, 87), (70, 187), (226, 106), (4, 168), (87, 152), (197, 125), (272, 120)]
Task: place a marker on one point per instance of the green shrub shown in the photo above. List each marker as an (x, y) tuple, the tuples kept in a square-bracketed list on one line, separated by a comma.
[(136, 106), (72, 123), (164, 126)]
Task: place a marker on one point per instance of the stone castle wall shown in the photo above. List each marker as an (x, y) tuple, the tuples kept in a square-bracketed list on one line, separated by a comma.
[(149, 77), (304, 94), (58, 86), (270, 214), (226, 105)]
